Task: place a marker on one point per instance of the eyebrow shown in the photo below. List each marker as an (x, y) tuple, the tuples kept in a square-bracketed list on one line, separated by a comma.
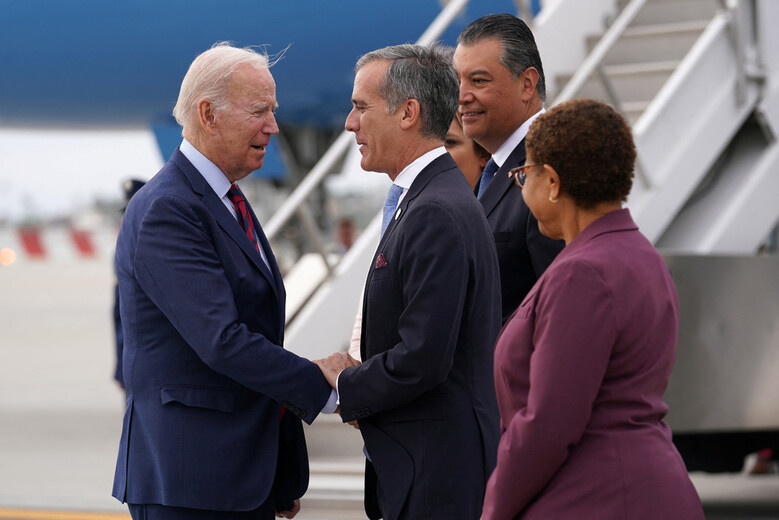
[(264, 106)]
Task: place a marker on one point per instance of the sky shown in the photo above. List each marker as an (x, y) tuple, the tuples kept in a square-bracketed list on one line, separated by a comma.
[(53, 173)]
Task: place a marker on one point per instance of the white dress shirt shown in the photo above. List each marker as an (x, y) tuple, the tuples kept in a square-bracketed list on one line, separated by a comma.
[(502, 154), (218, 182)]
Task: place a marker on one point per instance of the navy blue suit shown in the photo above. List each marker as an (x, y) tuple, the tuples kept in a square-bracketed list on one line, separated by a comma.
[(424, 395), (204, 370), (523, 252)]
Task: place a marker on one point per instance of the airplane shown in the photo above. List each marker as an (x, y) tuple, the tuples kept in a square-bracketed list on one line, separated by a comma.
[(98, 64)]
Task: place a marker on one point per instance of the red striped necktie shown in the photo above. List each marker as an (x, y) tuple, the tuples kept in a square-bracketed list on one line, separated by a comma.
[(242, 210)]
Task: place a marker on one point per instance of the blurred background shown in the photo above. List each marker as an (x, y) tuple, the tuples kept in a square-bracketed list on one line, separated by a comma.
[(87, 88)]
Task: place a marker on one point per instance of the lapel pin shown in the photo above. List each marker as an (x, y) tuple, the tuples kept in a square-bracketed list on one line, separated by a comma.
[(397, 214)]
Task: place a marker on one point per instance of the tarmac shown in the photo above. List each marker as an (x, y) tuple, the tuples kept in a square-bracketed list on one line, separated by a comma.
[(61, 412)]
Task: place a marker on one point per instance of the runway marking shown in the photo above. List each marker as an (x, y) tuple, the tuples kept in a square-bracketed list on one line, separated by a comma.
[(37, 514)]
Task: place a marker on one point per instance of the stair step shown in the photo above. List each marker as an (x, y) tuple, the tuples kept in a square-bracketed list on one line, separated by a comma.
[(347, 466), (653, 43), (690, 26), (668, 11), (336, 467), (635, 82), (654, 67), (336, 483)]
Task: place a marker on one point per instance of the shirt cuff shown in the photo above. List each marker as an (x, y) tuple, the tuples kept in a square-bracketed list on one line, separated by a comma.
[(332, 403)]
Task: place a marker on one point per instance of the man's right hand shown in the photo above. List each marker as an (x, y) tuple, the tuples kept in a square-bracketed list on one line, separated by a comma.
[(332, 365)]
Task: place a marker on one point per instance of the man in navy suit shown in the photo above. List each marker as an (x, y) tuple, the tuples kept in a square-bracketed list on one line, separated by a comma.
[(423, 398), (502, 91), (214, 403)]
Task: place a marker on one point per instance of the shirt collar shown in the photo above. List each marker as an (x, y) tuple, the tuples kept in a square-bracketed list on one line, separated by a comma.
[(406, 177), (514, 139), (210, 171)]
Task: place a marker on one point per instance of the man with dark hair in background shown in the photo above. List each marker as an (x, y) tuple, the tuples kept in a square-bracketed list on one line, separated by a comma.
[(502, 91)]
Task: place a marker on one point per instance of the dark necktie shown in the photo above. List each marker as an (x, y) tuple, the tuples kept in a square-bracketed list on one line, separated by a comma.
[(242, 210), (486, 175)]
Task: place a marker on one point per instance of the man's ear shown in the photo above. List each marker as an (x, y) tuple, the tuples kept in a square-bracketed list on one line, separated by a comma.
[(206, 116), (410, 113), (528, 82)]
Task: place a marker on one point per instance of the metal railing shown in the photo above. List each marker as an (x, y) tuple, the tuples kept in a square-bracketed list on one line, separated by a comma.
[(749, 66), (593, 64)]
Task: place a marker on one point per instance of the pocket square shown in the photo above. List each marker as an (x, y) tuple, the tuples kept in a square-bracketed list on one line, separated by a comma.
[(380, 261)]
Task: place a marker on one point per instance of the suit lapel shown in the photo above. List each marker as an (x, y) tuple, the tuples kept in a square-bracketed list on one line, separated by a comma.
[(276, 280), (439, 165), (501, 183), (228, 222)]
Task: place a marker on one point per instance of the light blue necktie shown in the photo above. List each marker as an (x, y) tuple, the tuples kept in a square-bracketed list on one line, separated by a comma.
[(486, 176), (390, 203)]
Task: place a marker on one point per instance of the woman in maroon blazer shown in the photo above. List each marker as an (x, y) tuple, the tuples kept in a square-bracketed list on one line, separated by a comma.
[(581, 366)]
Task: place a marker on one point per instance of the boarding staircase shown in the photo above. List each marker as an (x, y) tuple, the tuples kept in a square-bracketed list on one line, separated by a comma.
[(699, 82)]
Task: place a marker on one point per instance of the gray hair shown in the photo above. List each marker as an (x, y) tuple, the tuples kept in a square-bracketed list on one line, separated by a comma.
[(208, 78), (422, 73), (519, 47)]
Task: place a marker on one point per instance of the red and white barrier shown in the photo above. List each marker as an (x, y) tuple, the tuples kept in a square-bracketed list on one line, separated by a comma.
[(34, 244)]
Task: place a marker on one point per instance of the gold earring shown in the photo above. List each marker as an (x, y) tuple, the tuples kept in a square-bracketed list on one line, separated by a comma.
[(554, 200)]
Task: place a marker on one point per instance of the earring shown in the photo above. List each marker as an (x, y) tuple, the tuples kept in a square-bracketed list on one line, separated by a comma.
[(554, 200)]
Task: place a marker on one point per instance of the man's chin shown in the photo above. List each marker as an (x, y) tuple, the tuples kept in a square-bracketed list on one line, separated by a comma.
[(472, 130)]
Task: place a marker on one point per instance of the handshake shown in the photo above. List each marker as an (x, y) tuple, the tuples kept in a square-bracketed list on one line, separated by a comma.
[(332, 365)]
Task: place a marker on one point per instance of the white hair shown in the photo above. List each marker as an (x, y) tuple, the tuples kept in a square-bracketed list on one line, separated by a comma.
[(208, 78)]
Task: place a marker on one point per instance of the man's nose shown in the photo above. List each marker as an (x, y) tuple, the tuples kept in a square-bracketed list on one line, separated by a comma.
[(466, 96), (351, 123), (272, 127)]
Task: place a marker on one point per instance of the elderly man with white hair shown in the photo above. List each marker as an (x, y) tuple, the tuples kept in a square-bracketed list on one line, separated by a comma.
[(214, 403)]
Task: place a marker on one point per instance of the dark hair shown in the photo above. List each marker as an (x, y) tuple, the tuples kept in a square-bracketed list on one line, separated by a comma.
[(590, 146), (519, 47), (422, 73)]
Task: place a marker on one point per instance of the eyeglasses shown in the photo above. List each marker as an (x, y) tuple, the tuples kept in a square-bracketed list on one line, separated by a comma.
[(520, 174)]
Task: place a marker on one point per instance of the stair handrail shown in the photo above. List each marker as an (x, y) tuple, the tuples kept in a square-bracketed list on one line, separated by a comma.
[(748, 66), (593, 63), (320, 170), (598, 53)]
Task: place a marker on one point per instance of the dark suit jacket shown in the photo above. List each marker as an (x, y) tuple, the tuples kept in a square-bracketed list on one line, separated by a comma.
[(580, 371), (206, 377), (523, 252), (424, 396)]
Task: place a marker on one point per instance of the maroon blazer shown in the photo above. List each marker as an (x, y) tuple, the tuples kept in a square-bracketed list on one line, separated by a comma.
[(580, 371)]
